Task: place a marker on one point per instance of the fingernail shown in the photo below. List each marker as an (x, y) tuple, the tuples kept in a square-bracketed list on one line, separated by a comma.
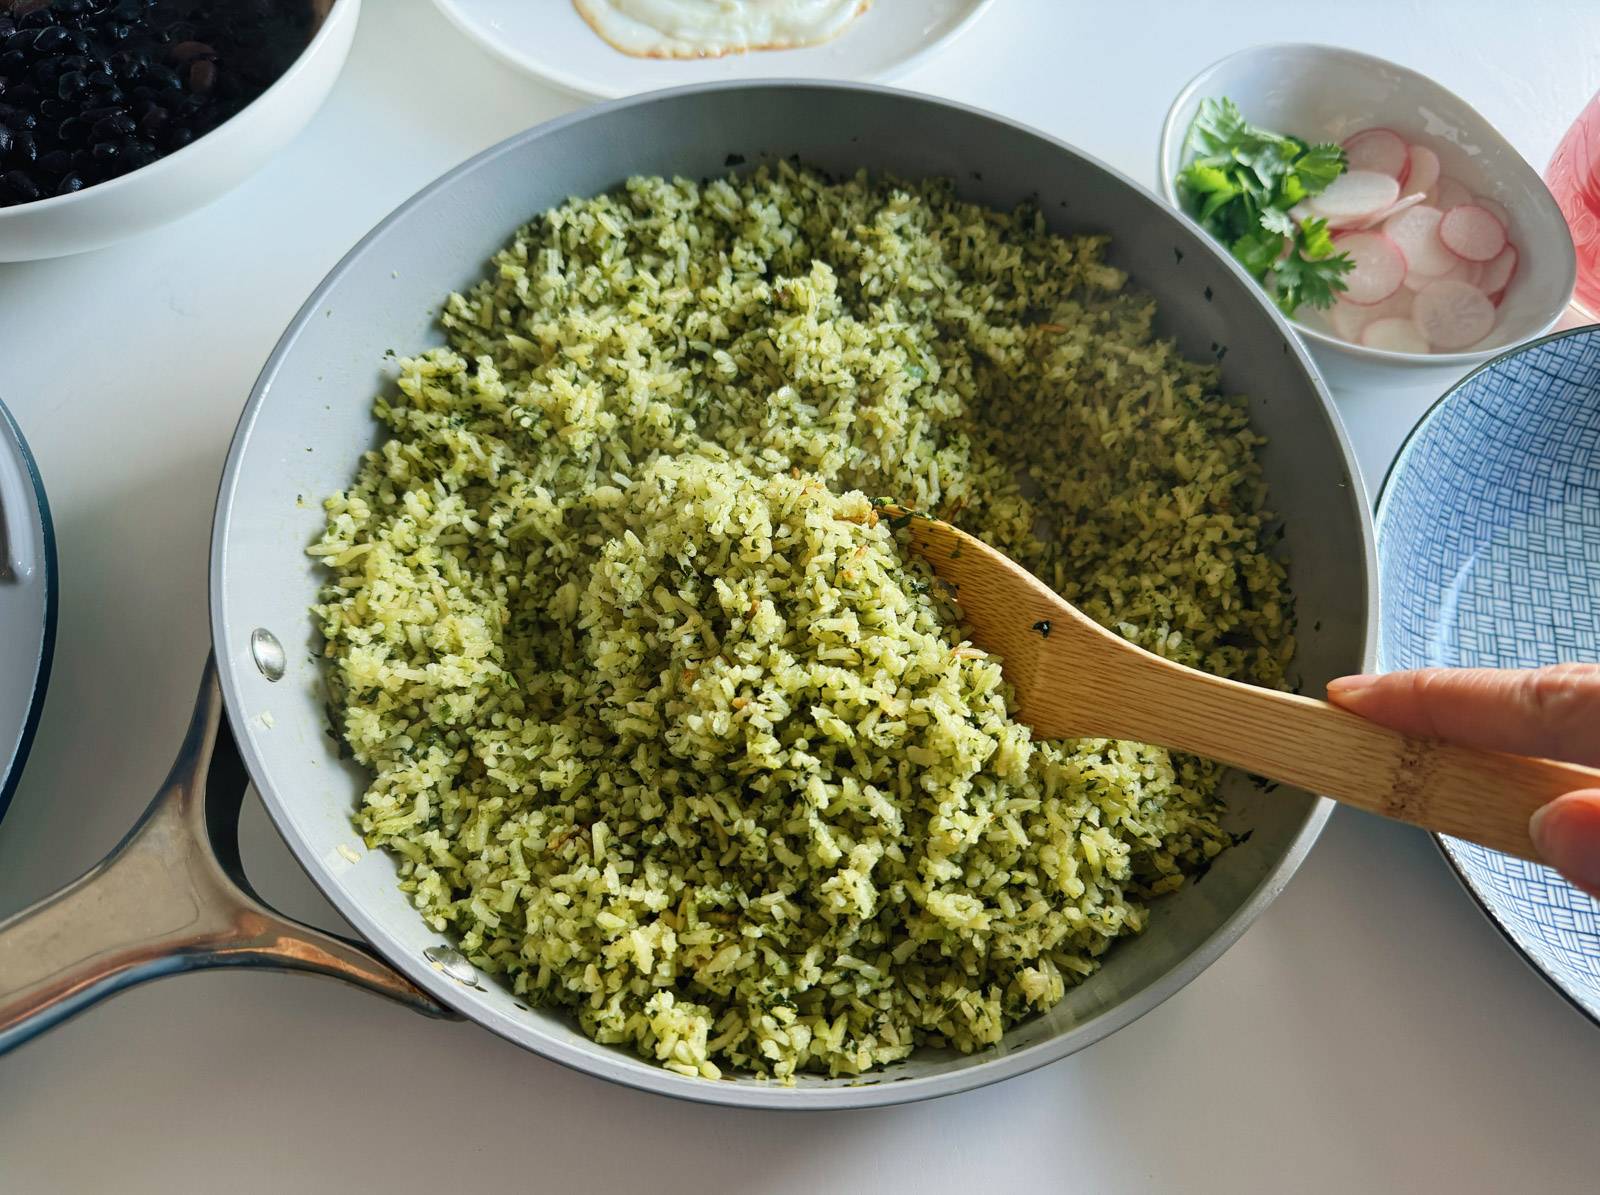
[(1566, 833), (1349, 686)]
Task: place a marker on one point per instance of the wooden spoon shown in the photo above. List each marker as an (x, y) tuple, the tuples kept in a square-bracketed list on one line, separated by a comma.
[(1075, 679)]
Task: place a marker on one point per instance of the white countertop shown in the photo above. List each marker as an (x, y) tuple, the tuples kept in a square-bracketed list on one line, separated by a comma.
[(1372, 1032)]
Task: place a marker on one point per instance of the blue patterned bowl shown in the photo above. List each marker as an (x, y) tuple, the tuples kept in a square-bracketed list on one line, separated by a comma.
[(1489, 554)]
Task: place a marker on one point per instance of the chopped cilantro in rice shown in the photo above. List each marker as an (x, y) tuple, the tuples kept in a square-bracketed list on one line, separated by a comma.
[(665, 727)]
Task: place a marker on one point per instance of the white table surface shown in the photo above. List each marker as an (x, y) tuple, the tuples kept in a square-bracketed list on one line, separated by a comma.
[(1371, 1032)]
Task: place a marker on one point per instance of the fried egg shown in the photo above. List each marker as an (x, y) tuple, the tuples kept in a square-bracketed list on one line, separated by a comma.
[(711, 28)]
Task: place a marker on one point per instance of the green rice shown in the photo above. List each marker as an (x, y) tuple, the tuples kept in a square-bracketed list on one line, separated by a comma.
[(664, 725)]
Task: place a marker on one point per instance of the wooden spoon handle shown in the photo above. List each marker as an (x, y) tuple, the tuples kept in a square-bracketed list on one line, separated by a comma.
[(1483, 796)]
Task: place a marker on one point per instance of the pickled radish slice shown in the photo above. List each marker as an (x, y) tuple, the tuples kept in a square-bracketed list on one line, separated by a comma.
[(1449, 194), (1497, 210), (1462, 271), (1424, 169), (1354, 195), (1379, 150), (1347, 320), (1471, 233), (1395, 334), (1379, 267), (1452, 315), (1394, 209), (1416, 232), (1497, 273)]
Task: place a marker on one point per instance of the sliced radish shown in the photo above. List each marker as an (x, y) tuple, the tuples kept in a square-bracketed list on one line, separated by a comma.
[(1449, 193), (1379, 267), (1498, 273), (1395, 334), (1416, 231), (1347, 319), (1471, 233), (1461, 271), (1495, 209), (1380, 150), (1355, 195), (1394, 209), (1424, 169), (1453, 315)]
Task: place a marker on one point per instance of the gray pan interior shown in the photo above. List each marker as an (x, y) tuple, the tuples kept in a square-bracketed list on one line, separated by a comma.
[(308, 419)]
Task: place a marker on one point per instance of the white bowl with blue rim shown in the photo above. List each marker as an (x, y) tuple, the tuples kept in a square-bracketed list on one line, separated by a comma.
[(27, 601), (1489, 556)]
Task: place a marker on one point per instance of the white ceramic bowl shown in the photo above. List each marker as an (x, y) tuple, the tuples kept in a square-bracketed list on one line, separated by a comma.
[(1328, 93), (193, 176)]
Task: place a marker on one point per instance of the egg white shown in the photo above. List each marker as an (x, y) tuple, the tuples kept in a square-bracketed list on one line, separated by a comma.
[(711, 28)]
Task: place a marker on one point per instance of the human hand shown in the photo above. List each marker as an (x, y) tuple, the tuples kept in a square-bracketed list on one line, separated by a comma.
[(1551, 712)]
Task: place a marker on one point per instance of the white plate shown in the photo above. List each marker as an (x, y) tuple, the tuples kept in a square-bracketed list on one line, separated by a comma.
[(27, 601), (549, 39)]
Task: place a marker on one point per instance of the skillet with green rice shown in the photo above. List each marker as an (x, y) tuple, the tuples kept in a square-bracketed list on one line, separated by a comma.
[(666, 729)]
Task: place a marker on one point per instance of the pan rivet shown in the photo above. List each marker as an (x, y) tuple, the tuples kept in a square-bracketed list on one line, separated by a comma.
[(452, 963), (267, 652)]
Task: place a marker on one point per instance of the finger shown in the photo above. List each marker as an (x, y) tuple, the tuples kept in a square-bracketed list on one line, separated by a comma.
[(1566, 833), (1552, 712)]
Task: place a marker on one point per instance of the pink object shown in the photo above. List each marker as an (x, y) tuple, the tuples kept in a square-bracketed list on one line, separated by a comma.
[(1497, 274), (1381, 150), (1416, 231), (1453, 315), (1348, 320), (1461, 271), (1496, 210), (1574, 179), (1394, 209), (1471, 233), (1395, 334), (1424, 172), (1354, 195), (1379, 267)]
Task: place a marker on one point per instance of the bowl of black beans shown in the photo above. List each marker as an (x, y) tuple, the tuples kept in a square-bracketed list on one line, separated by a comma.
[(119, 115)]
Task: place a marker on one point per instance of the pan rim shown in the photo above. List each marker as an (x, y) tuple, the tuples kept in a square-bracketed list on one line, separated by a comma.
[(600, 1061)]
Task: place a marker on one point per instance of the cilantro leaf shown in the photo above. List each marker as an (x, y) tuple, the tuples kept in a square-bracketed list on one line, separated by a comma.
[(1312, 273), (1258, 250), (1241, 184), (1318, 167)]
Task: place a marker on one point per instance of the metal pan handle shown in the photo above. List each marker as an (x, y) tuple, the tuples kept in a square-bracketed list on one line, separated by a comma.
[(171, 897)]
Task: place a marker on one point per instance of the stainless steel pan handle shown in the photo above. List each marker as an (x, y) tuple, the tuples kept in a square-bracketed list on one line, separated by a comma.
[(171, 897)]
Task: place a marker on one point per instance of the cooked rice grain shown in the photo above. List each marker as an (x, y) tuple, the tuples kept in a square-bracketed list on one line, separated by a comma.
[(663, 725)]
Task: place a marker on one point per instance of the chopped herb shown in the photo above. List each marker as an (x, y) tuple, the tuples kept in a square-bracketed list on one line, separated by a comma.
[(1243, 185)]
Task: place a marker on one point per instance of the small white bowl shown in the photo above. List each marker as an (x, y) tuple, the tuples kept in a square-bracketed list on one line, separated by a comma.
[(1325, 93), (192, 177)]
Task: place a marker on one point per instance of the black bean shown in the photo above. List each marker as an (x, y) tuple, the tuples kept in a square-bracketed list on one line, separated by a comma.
[(57, 161), (202, 75), (20, 184), (71, 84), (112, 127), (13, 62), (24, 149), (22, 94), (52, 108), (6, 136), (177, 137), (22, 120), (74, 130), (70, 183), (157, 75), (51, 40)]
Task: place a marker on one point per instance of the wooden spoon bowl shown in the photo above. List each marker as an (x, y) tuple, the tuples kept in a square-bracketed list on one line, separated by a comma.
[(1074, 678)]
